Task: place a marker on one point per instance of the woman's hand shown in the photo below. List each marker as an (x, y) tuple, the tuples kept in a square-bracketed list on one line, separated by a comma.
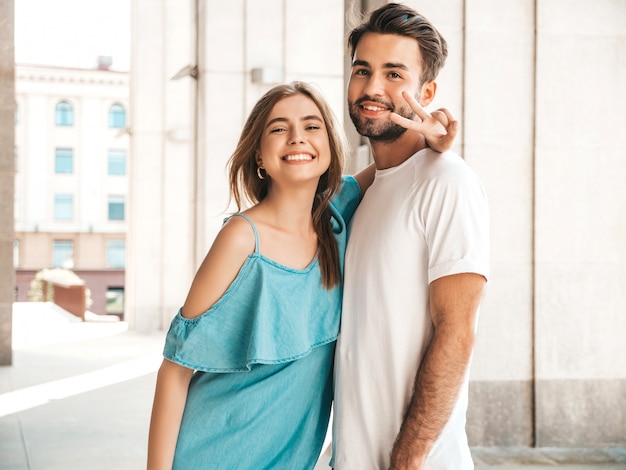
[(439, 128)]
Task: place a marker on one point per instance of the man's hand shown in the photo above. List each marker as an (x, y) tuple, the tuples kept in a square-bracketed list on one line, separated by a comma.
[(439, 127)]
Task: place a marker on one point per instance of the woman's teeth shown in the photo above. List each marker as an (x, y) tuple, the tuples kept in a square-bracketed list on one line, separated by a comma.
[(298, 157)]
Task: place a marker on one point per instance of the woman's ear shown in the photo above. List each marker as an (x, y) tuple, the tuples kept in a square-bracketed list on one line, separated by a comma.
[(428, 92)]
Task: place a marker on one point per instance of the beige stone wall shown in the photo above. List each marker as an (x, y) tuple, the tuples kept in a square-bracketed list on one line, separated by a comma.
[(539, 89), (7, 163)]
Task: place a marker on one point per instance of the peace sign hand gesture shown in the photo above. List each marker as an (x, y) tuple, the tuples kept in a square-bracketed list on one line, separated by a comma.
[(439, 128)]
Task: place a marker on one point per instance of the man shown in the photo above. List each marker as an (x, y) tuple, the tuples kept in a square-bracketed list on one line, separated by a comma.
[(416, 265)]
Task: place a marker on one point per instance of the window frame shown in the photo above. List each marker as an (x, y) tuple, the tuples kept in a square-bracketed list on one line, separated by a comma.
[(117, 116), (63, 153), (115, 202), (120, 154), (64, 114), (63, 205)]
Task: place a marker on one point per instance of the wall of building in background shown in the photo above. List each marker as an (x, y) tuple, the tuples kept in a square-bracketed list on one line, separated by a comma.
[(7, 175), (538, 87), (71, 182)]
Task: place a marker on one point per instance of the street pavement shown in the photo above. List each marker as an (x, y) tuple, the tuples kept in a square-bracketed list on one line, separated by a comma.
[(78, 396)]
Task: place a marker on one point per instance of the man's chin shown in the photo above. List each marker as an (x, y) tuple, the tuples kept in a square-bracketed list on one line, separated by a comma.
[(382, 135)]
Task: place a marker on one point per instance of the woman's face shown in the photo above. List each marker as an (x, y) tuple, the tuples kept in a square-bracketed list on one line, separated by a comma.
[(295, 145)]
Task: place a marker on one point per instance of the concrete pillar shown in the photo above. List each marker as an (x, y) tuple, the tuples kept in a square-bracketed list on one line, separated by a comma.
[(7, 178), (160, 240), (580, 224), (498, 124)]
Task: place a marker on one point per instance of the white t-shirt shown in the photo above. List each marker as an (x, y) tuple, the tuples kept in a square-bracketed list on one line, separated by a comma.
[(422, 220)]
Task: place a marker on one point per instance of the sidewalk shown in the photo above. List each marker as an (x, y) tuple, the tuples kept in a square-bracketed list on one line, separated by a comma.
[(78, 396)]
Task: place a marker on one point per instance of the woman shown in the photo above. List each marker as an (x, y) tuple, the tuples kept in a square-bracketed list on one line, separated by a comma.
[(246, 381)]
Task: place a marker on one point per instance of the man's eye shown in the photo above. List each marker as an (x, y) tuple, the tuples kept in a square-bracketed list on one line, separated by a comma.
[(394, 75), (360, 72)]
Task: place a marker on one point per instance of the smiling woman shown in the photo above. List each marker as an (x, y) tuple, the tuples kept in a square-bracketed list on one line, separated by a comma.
[(261, 318)]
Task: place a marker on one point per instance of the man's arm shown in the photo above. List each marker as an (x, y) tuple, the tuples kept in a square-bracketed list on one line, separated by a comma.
[(454, 302)]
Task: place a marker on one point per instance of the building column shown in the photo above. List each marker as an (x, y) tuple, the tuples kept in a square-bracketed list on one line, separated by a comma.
[(7, 175)]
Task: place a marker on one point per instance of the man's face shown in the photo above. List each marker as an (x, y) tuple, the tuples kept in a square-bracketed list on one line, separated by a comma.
[(383, 66)]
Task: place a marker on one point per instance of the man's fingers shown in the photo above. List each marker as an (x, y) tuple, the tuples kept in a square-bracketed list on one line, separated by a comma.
[(428, 127), (415, 106), (441, 117), (447, 113), (404, 122)]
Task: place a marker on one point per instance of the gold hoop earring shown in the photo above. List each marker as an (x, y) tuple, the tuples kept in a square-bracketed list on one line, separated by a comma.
[(258, 173)]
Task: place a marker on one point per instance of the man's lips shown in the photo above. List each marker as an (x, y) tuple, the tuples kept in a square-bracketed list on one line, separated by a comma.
[(371, 107)]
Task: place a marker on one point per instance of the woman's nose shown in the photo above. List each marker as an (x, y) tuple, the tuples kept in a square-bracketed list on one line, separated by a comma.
[(296, 137)]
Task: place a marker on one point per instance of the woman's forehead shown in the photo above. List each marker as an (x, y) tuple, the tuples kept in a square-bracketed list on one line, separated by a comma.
[(295, 107)]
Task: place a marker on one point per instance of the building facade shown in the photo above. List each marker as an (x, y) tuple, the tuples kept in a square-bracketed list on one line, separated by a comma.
[(71, 180)]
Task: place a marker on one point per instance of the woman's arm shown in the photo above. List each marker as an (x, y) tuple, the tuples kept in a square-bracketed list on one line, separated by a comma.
[(167, 411), (231, 247), (220, 267), (365, 177)]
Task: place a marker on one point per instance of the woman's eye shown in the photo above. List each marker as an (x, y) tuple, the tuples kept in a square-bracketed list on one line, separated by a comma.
[(277, 130), (312, 127)]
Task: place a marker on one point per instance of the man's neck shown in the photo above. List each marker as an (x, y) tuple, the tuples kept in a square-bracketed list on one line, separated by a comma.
[(391, 154)]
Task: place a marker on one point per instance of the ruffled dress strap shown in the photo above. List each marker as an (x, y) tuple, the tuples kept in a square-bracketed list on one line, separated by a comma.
[(257, 247)]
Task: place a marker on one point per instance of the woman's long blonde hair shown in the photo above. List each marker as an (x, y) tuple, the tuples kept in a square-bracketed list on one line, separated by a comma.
[(245, 185)]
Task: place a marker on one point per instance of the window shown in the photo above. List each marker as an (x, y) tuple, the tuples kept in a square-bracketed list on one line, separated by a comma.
[(117, 116), (116, 207), (117, 162), (64, 161), (116, 253), (64, 115), (63, 207), (115, 301), (63, 254)]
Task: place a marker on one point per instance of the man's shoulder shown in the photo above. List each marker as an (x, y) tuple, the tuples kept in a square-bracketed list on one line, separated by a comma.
[(431, 164)]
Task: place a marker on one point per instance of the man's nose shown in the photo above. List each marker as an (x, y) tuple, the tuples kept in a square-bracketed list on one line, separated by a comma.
[(374, 86)]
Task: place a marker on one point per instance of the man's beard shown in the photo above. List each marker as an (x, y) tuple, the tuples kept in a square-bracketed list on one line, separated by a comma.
[(375, 129)]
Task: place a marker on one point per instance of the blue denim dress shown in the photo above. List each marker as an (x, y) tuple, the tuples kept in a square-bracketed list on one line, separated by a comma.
[(261, 394)]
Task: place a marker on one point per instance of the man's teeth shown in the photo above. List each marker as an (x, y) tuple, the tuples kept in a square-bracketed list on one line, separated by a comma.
[(373, 108), (299, 157)]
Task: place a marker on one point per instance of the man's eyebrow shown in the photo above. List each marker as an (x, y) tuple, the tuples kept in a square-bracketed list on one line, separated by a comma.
[(305, 118), (361, 63), (391, 65), (388, 65)]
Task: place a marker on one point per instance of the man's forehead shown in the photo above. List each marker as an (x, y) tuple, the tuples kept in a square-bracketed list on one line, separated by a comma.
[(386, 50)]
